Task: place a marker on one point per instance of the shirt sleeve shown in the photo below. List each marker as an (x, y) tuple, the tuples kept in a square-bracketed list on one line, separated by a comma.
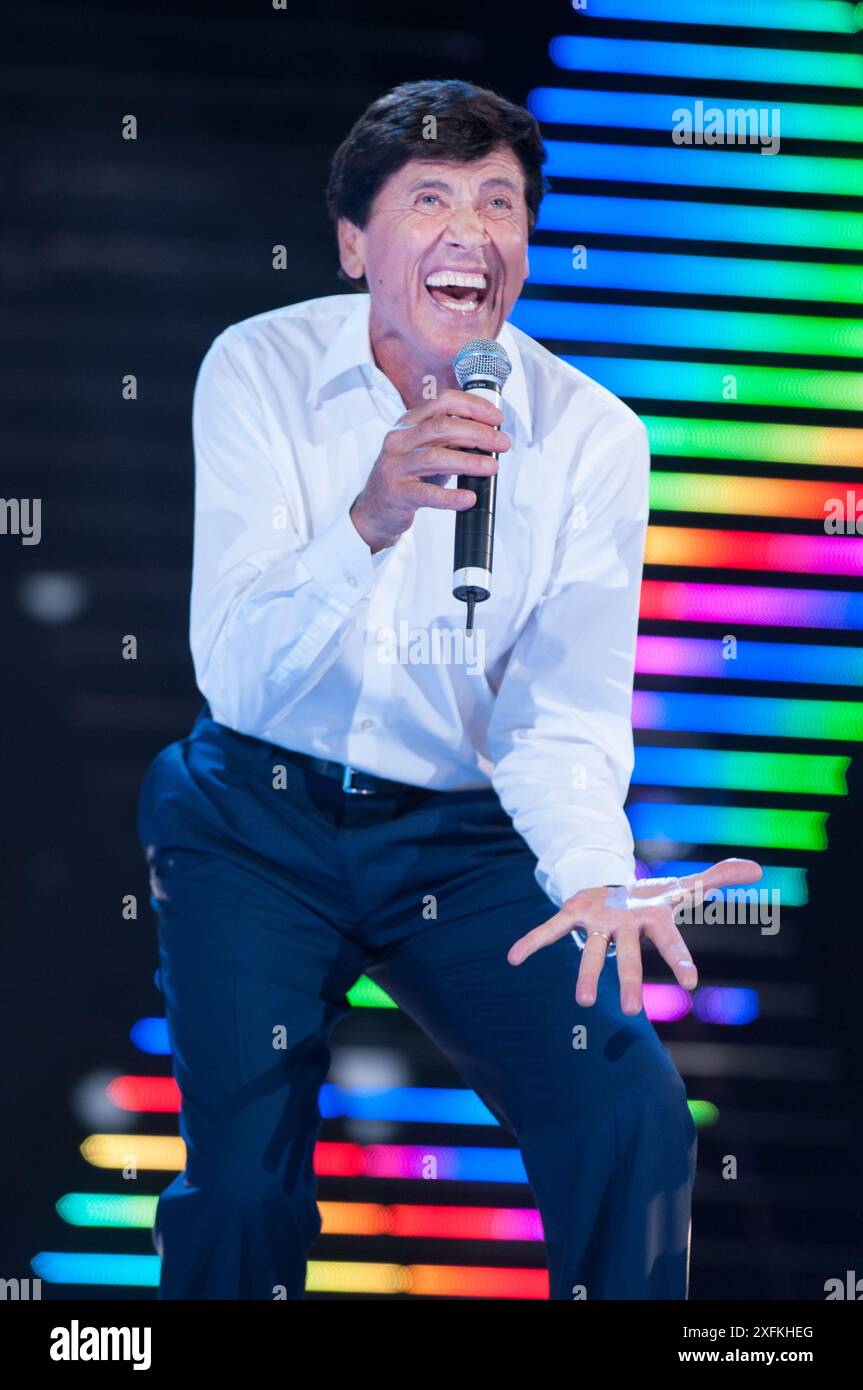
[(269, 612), (560, 735)]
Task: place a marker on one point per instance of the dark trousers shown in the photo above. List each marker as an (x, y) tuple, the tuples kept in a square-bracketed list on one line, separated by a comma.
[(271, 900)]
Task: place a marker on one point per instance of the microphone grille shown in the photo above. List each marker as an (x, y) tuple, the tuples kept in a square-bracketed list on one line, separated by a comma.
[(481, 357)]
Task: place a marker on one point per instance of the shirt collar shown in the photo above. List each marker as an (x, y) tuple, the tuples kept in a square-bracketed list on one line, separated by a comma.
[(350, 351)]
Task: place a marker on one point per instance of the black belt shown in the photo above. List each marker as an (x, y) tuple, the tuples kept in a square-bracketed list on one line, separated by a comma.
[(353, 782)]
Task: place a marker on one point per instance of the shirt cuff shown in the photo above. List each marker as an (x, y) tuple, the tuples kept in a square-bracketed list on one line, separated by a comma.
[(340, 560), (579, 870)]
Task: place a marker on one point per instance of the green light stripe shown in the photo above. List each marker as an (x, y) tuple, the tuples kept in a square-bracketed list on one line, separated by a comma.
[(704, 1113), (736, 439), (735, 825), (365, 994), (820, 16), (714, 62), (107, 1209), (708, 381), (812, 773), (728, 223)]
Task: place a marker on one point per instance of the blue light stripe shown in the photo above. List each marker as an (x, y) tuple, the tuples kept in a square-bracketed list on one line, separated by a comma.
[(660, 766), (682, 165), (745, 714), (652, 58), (406, 1104), (633, 377), (150, 1035), (729, 331), (719, 825), (665, 273), (724, 223), (798, 120), (78, 1267), (766, 661), (823, 16)]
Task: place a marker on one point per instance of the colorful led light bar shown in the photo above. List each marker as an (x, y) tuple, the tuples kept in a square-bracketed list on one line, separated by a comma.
[(155, 1094), (396, 1104), (728, 825), (430, 1222), (419, 1161), (659, 111), (790, 773), (425, 1281), (723, 63), (667, 273), (668, 1003), (150, 1035), (684, 166), (432, 1105), (723, 223), (709, 658), (638, 377), (711, 492), (664, 273), (153, 1152), (823, 16), (74, 1267), (322, 1276), (810, 445), (466, 1223), (365, 994), (705, 1113), (670, 601), (735, 1007), (720, 330), (746, 714), (754, 550), (107, 1209)]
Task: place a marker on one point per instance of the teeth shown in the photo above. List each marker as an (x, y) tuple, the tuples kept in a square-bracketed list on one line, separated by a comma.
[(461, 306), (441, 278)]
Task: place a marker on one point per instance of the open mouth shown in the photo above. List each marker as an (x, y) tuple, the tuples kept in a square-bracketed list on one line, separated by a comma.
[(462, 293)]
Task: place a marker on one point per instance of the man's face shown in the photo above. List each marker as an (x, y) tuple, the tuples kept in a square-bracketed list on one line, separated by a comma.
[(433, 221)]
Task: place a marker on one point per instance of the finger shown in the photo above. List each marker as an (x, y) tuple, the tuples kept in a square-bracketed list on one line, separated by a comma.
[(455, 432), (724, 874), (465, 404), (592, 960), (453, 499), (672, 947), (691, 888), (543, 935), (630, 970), (450, 462)]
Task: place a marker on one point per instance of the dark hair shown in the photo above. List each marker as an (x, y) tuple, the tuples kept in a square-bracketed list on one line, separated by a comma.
[(470, 122)]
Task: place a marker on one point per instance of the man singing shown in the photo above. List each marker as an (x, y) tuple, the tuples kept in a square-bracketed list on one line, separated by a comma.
[(453, 830)]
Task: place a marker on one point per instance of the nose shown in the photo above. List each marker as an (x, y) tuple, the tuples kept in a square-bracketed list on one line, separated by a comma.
[(466, 227)]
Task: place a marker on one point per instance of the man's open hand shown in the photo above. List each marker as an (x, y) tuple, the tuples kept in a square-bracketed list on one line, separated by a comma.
[(643, 908)]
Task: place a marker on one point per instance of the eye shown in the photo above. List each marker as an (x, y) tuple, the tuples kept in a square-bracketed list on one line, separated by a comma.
[(500, 203), (433, 197)]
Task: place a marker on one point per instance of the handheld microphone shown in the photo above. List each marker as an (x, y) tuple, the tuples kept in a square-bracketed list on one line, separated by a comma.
[(481, 366)]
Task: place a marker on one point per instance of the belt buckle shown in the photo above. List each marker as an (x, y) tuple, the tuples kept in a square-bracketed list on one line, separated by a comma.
[(354, 791)]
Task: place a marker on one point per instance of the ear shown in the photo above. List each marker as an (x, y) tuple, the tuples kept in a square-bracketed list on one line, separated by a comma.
[(352, 243)]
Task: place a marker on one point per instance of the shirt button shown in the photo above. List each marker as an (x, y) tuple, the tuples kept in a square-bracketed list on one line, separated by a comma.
[(367, 724), (352, 581)]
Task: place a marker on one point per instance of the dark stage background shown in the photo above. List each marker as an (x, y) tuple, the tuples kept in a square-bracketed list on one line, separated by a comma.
[(125, 257)]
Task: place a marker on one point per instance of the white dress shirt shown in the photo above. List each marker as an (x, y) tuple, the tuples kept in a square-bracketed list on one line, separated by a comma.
[(304, 639)]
